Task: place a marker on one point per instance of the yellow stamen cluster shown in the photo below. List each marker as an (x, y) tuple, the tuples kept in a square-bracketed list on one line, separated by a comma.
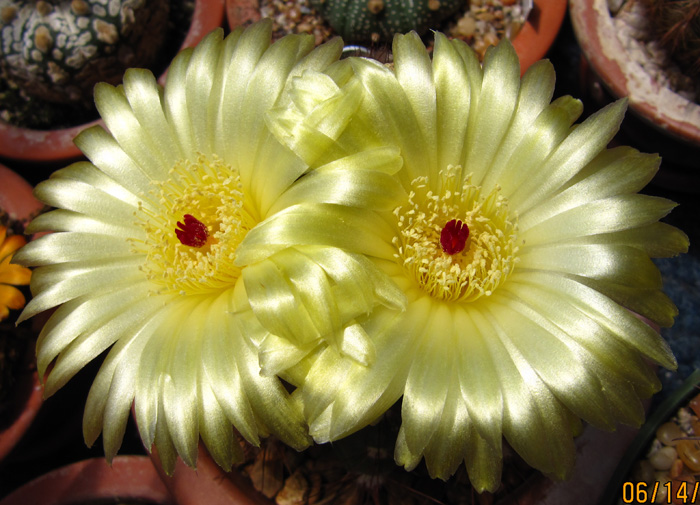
[(490, 253), (211, 191)]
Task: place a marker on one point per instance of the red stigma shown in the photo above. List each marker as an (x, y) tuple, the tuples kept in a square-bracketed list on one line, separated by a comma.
[(193, 233), (453, 237)]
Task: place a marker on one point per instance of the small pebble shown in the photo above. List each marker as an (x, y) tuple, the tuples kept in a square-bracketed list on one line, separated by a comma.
[(663, 458), (668, 433), (689, 452)]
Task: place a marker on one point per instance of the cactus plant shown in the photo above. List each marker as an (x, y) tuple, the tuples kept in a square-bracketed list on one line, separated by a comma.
[(677, 28), (57, 50), (379, 20)]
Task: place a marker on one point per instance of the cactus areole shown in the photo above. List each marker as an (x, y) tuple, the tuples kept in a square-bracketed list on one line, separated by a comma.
[(378, 20), (58, 50)]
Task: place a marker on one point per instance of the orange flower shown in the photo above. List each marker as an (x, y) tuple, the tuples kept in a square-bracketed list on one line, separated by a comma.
[(11, 275)]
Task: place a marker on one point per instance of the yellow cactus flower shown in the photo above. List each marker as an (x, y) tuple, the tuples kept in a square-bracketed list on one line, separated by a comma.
[(146, 236), (11, 275), (520, 243)]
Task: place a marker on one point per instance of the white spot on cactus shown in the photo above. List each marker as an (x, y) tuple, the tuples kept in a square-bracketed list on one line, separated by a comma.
[(42, 39), (80, 7), (8, 13), (84, 38), (56, 73), (114, 6), (37, 55), (106, 32), (82, 22), (44, 8)]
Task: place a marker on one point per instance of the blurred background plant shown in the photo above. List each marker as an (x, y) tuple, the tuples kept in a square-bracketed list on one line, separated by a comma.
[(52, 53), (677, 27), (379, 20)]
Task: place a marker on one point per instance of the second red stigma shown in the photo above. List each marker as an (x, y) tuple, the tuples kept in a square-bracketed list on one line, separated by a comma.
[(453, 237), (193, 232)]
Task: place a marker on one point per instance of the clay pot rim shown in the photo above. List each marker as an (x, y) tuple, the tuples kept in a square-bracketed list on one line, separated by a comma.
[(531, 43), (57, 145), (27, 389), (592, 25), (128, 477), (27, 393)]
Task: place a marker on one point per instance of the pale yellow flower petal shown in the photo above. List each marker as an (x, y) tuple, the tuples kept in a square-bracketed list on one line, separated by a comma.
[(111, 395), (352, 394), (427, 385), (200, 90), (175, 102), (453, 104), (580, 147), (395, 124), (352, 229), (617, 319), (145, 99), (446, 448), (293, 292), (415, 78), (76, 246), (65, 220), (126, 313), (479, 380), (340, 182), (104, 152), (613, 172), (543, 135), (615, 214), (60, 283), (216, 435), (536, 90), (136, 142), (494, 108), (618, 264)]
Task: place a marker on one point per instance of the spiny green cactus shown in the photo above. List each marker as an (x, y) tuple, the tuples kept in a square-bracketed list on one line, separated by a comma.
[(57, 50), (379, 20), (677, 24)]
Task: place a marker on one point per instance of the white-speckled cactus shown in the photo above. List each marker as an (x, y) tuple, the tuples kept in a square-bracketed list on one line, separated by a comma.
[(379, 20), (57, 50)]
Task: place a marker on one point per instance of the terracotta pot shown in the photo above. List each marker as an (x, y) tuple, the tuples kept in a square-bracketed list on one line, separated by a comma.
[(532, 42), (541, 28), (658, 105), (57, 145), (212, 485), (25, 400), (17, 200), (209, 483), (128, 478)]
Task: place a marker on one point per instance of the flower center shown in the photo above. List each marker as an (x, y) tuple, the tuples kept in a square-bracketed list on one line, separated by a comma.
[(191, 241), (457, 244)]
